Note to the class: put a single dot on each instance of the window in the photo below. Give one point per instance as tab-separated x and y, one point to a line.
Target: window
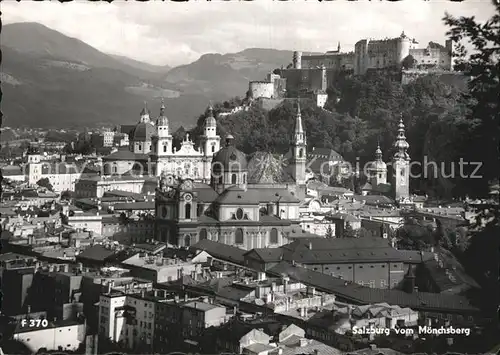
187	211
238	236
244	178
140	147
233	179
239	213
301	153
274	236
187	240
164	149
213	148
203	234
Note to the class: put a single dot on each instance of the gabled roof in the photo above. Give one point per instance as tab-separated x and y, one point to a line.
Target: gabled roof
266	254
221	251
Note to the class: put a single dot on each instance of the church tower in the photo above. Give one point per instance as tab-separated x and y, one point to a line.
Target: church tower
164	143
298	150
34	165
211	141
401	165
378	173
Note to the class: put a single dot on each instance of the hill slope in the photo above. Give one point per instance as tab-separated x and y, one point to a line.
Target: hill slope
227	75
51	80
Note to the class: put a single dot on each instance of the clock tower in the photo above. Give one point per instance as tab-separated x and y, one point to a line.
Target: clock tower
401	165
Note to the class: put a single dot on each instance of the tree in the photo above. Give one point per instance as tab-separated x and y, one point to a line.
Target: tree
409	62
483	69
66	195
329	232
45	182
349	232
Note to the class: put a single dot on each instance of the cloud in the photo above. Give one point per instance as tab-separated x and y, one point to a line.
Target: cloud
180	32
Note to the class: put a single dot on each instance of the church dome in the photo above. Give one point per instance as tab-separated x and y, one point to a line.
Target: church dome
229	158
210	122
143	131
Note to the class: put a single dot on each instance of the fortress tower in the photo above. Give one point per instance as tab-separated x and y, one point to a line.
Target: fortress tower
297	60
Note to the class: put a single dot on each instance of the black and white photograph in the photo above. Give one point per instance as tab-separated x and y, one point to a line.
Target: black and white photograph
267	177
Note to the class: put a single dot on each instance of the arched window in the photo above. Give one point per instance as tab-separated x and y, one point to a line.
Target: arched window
244	178
187	240
233	179
203	234
164	149
140	146
239	213
213	149
301	153
187	211
274	236
238	236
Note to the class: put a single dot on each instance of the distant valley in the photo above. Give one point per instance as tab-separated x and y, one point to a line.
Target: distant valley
51	80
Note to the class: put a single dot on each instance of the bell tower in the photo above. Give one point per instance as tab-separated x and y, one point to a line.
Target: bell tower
298	150
211	141
401	165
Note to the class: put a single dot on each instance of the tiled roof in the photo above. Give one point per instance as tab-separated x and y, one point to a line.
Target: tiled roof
221	251
256	195
11	170
126	155
97	253
146	205
365	295
374	199
267	254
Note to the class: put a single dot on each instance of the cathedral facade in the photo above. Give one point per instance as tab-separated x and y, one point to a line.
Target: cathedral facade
151	147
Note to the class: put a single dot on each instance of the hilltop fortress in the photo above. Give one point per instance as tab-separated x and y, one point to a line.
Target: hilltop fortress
310	75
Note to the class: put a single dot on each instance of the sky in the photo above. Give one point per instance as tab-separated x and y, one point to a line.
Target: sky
176	33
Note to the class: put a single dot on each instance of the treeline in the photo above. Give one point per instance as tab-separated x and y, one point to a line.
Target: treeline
362	111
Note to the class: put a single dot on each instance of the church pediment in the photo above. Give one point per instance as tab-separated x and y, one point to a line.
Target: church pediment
187	148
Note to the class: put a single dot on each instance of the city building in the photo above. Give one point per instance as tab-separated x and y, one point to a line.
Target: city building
251	204
151	147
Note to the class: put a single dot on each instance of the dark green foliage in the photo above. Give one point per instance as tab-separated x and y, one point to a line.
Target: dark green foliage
44	182
329	232
349	232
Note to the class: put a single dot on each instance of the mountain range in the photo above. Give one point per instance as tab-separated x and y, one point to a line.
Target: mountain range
55	81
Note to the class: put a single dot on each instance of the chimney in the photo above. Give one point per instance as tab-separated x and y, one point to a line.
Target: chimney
303	342
143	293
66	267
109	287
185	297
155	293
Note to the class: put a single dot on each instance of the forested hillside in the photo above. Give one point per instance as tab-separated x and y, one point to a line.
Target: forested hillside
362	111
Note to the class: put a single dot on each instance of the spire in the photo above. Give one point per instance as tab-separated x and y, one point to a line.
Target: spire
401	144
145	109
378	153
338	47
298	120
162	108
